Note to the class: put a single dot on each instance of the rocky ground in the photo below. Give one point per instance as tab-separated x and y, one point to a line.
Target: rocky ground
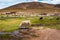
35	34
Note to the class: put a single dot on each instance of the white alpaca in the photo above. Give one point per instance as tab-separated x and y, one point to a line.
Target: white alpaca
24	24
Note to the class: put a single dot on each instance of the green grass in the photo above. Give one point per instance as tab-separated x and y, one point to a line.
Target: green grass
46	21
9	24
5	36
12	23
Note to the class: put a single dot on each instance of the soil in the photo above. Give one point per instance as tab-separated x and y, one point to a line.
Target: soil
38	34
45	34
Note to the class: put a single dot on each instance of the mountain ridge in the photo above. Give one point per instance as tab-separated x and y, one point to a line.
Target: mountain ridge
32	6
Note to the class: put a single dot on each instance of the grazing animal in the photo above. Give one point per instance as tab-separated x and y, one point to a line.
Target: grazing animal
57	18
10	13
24	24
41	18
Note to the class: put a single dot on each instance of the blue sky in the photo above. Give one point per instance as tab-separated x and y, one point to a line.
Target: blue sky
6	3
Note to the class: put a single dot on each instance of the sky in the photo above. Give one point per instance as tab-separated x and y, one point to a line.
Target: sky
7	3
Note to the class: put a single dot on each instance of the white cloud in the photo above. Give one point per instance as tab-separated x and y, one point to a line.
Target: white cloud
51	1
55	1
32	0
7	0
6	3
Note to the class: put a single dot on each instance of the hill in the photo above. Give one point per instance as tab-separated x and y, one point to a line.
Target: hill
31	5
58	5
35	7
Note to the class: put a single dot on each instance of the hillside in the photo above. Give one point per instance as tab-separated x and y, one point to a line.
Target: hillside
31	5
58	5
36	7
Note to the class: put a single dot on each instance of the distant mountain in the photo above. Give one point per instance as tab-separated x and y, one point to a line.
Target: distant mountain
37	7
58	5
31	5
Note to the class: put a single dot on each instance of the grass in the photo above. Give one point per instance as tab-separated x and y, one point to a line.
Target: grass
9	24
47	22
54	27
5	36
12	23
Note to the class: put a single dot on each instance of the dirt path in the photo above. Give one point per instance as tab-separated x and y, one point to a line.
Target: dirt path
46	34
38	34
